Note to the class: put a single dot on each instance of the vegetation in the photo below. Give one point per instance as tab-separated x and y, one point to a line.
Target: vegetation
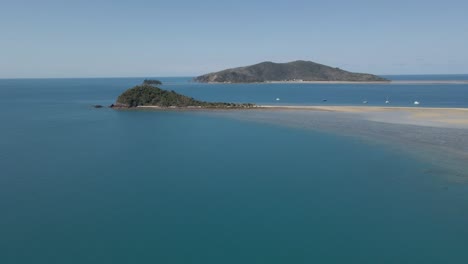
148	95
292	71
152	82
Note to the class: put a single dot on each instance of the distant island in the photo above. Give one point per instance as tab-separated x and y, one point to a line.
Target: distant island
296	71
146	95
152	82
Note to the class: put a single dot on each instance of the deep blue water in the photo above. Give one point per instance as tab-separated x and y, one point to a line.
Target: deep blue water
105	90
429	95
335	94
85	185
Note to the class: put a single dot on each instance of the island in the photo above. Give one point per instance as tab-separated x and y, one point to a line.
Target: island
296	71
152	82
150	96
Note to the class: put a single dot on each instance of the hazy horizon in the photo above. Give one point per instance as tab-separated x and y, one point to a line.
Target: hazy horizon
193	76
52	39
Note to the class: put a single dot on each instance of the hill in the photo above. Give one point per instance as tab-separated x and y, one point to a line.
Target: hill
149	95
291	71
152	82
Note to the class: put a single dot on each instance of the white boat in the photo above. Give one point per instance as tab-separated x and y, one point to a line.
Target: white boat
416	103
277	99
387	101
364	102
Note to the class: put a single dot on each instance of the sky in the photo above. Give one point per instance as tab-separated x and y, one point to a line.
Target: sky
138	38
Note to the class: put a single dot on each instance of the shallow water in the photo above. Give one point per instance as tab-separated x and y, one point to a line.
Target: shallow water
85	185
444	150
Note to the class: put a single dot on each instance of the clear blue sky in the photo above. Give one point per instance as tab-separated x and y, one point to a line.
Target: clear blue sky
186	38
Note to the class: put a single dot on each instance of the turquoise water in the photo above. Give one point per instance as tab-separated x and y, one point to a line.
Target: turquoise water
85	185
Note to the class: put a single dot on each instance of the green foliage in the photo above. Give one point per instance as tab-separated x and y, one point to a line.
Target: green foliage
148	95
152	82
291	71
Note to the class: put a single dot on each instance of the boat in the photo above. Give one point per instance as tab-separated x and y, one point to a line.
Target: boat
387	101
416	103
277	99
364	102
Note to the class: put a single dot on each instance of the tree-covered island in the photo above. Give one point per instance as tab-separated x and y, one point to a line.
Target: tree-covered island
149	95
152	82
295	71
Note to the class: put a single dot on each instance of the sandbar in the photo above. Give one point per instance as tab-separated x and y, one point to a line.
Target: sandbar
425	116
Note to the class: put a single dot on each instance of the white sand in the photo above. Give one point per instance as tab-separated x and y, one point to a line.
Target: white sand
425	116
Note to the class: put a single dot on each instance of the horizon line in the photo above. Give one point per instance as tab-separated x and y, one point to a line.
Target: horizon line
187	76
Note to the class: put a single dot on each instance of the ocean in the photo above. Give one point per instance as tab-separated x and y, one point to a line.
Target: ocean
429	95
86	185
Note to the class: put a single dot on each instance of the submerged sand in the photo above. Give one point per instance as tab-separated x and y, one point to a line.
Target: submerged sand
436	136
423	116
